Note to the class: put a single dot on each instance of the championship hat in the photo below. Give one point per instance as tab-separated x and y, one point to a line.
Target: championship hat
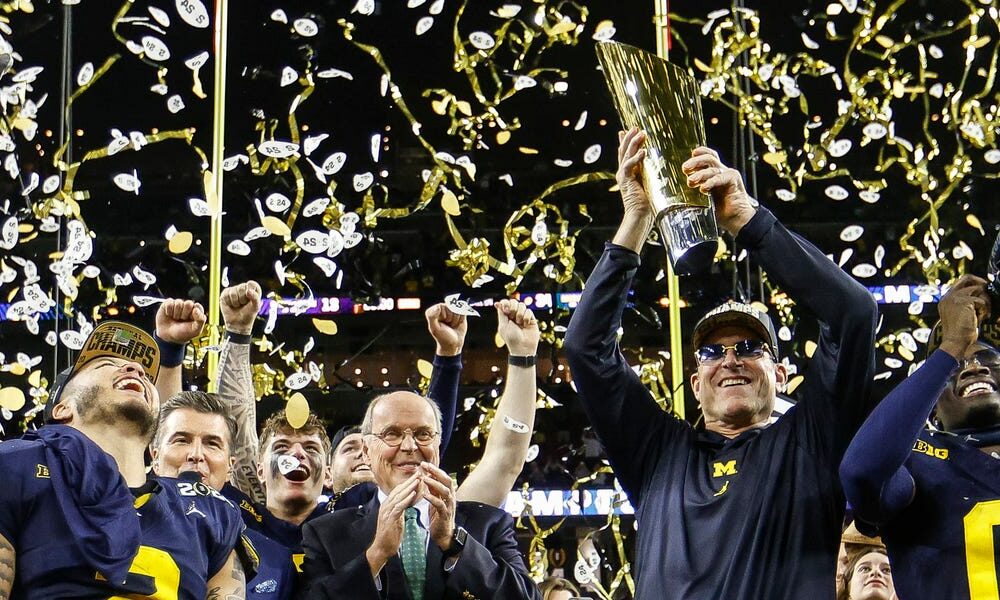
740	314
115	339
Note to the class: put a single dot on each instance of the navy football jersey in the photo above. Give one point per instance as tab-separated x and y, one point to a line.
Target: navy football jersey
188	532
951	529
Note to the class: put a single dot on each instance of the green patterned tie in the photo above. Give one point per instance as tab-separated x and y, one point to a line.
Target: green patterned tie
414	553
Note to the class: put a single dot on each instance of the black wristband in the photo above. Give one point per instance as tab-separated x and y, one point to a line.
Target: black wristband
521	361
238	338
171	354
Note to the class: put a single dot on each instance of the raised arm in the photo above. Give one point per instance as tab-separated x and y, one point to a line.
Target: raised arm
177	323
873	472
229	583
626	418
448	330
841	370
240	305
8	564
510	433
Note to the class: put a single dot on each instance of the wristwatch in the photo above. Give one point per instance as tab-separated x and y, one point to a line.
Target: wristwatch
457	543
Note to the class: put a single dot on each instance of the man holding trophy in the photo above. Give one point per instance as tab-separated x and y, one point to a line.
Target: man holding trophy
734	508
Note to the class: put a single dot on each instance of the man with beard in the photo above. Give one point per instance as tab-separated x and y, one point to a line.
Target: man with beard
934	494
79	518
736	508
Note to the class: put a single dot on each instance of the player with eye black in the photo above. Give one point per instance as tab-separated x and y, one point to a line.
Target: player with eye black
933	494
80	518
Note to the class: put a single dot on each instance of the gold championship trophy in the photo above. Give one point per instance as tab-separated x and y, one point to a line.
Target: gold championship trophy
663	100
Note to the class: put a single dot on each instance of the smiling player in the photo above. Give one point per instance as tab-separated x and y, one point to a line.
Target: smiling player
934	495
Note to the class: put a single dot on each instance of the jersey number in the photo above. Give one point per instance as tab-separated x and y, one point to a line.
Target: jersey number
980	553
161	568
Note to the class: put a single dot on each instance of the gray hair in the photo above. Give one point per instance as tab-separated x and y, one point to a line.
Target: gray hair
366	423
202	402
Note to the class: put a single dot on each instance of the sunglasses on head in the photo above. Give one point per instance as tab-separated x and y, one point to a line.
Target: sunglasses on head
744	349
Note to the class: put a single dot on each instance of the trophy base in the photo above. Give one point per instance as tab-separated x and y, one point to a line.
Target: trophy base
690	236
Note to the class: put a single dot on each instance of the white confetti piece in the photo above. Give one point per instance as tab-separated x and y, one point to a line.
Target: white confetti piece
193	13
278	202
532	453
72	339
326	265
313	241
540	233
336	243
144	301
515	425
175	104
315	207
863	270
199	207
852	233
424	25
836	192
288	76
287	463
257	233
239	248
197	61
363	181
459	306
159	16
297	381
305	27
875	131
277	148
144	277
128	182
784	195
9	233
85	74
869	196
839	148
364	7
524	82
334	73
312	142
155	48
334	163
592	155
279	16
481	40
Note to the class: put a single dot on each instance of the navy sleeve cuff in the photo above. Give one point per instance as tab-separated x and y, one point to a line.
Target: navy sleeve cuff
448	361
171	354
754	231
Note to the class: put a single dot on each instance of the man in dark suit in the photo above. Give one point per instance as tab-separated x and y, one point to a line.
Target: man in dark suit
413	540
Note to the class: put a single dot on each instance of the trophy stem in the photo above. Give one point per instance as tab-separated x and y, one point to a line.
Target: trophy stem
689	234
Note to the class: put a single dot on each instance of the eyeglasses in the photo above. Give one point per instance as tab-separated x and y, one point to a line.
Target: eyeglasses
710	354
393	436
986	357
